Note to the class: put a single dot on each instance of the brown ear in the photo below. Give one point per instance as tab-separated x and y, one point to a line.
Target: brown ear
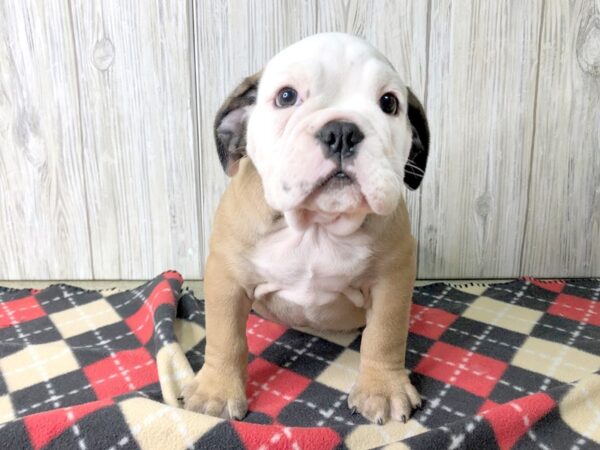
230	123
414	170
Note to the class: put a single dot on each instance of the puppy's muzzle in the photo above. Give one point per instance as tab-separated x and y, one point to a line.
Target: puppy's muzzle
340	140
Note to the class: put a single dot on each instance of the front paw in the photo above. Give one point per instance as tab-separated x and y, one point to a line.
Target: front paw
381	395
216	395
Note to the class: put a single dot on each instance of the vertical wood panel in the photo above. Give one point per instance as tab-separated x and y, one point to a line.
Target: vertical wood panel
563	225
138	139
43	222
236	38
482	74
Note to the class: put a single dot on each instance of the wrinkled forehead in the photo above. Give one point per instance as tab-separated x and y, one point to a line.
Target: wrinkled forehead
330	62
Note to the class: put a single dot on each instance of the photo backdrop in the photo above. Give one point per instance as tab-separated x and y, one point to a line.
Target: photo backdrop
108	169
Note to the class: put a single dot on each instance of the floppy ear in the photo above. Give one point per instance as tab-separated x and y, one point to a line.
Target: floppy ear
417	158
230	123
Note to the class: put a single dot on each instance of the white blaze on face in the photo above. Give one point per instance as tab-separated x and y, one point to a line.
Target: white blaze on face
338	78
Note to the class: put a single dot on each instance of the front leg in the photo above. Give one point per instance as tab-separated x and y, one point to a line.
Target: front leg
382	389
218	389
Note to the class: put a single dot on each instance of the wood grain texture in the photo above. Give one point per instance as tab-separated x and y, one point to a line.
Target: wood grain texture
563	222
138	139
108	167
482	77
43	220
236	38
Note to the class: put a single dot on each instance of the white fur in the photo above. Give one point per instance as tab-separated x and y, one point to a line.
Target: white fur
320	251
337	77
311	267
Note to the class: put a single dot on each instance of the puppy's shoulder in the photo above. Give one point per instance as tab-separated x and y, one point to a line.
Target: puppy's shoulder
243	215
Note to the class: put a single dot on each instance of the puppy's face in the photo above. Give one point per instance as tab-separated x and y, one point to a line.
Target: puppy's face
328	129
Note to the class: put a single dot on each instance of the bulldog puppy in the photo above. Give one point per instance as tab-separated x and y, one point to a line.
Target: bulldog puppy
313	230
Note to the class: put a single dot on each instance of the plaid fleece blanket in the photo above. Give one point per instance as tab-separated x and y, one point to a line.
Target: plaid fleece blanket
498	366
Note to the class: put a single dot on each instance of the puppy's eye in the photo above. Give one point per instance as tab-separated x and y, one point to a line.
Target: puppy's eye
389	104
286	97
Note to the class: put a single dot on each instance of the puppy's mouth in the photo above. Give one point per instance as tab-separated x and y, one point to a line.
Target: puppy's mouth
338	192
337	179
336	202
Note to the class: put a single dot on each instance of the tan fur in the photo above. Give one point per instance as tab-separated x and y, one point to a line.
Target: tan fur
243	217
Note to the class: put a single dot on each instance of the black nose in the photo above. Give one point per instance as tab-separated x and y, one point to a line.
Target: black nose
340	139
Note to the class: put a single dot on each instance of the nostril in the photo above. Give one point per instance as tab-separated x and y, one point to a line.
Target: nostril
330	139
354	136
350	141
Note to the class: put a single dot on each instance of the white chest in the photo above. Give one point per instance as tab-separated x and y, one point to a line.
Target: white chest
312	267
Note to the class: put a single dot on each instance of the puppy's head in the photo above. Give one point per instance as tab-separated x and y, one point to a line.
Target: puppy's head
332	130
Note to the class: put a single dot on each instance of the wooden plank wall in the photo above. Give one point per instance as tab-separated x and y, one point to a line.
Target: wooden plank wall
108	169
138	136
43	220
563	220
98	163
481	101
